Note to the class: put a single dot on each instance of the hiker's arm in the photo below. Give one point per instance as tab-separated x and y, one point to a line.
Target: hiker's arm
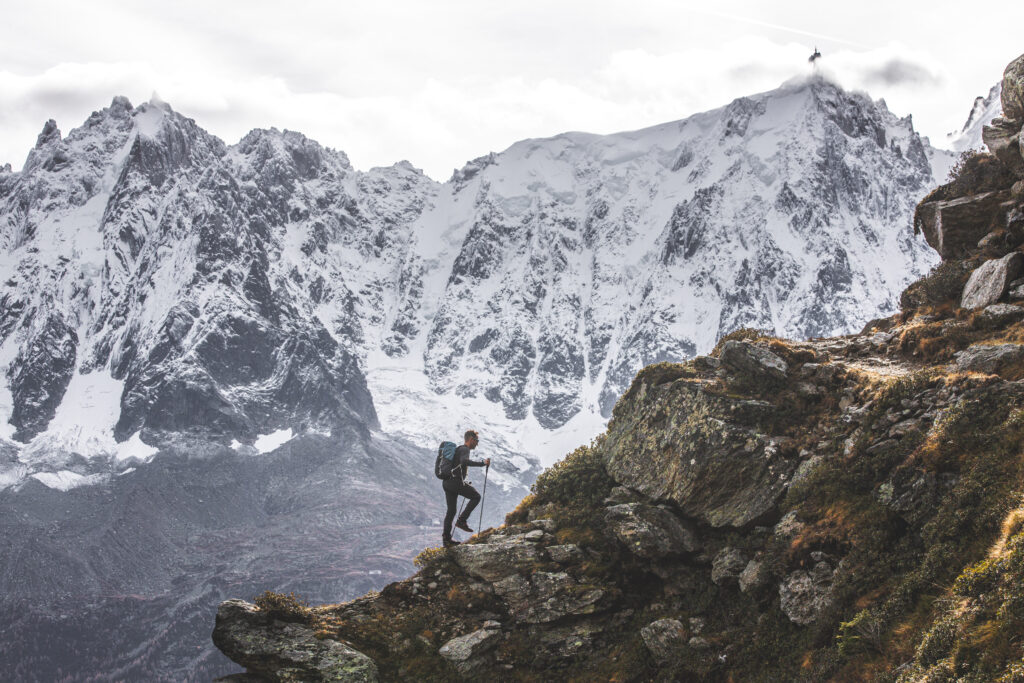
478	463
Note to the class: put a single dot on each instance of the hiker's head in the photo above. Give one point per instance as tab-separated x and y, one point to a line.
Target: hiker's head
472	439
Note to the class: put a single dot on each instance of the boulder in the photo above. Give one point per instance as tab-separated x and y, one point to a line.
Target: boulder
954	227
1000	315
727	566
755	575
991	280
651	531
284	650
1002	137
705	452
496	560
565	554
805	595
1013	89
466	652
989	359
545	596
664	638
748	359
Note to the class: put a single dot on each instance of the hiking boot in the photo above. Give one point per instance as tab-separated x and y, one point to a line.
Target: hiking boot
461	524
448	543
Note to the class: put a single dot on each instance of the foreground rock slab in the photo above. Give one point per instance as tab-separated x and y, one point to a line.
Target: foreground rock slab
285	651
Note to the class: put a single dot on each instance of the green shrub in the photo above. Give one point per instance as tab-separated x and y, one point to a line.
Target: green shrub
428	556
290	607
578	480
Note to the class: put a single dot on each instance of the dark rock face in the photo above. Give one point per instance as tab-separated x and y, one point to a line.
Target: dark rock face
1013	90
650	531
954	227
41	374
724	475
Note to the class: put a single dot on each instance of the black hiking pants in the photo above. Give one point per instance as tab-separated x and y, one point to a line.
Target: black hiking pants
453	488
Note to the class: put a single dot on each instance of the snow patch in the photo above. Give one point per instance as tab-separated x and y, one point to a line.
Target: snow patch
85	420
135	447
268	442
65	480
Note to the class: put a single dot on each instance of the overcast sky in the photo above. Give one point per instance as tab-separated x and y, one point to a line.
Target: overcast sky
441	82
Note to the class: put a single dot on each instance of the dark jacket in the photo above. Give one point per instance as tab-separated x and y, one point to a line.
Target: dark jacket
462	461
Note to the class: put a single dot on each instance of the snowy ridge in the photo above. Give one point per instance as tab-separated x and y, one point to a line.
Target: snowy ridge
160	283
982	112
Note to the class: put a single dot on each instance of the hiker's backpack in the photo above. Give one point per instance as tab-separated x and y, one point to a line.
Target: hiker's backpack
445	462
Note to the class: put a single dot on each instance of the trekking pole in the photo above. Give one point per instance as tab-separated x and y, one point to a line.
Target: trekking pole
483	497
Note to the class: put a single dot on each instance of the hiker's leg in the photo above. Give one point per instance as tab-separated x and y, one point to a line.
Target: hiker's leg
452	499
472	498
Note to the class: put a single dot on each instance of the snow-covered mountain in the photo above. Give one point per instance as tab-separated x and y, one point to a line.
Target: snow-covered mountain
982	112
151	267
167	299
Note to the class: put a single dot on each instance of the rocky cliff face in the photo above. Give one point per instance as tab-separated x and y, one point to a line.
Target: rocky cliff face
843	508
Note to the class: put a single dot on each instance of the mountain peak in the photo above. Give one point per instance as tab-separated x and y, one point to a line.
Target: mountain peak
50	133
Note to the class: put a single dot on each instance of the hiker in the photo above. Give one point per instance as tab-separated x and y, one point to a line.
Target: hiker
456	486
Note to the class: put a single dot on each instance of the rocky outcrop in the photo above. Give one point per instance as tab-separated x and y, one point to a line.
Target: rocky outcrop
805	595
744	358
954	227
650	531
988	358
466	653
283	651
664	638
706	452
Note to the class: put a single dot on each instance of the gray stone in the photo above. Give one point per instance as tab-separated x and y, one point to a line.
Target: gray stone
806	467
268	646
748	359
650	531
565	554
755	575
548	525
990	282
988	359
805	595
493	561
704	452
1000	315
1012	95
727	566
1002	137
699	643
465	652
533	536
664	638
788	526
545	596
953	227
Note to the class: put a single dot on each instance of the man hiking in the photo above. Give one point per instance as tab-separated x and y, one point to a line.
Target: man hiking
456	486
